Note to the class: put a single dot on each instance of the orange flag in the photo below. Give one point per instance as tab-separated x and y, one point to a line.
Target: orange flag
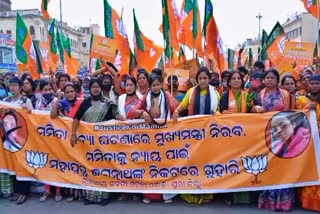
312	6
190	31
171	16
114	29
44	9
214	44
147	53
71	65
275	44
25	50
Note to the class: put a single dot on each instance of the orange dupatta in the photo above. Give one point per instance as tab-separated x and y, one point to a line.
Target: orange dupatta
233	105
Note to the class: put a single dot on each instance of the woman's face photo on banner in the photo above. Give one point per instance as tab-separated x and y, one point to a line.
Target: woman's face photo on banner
13	130
288	134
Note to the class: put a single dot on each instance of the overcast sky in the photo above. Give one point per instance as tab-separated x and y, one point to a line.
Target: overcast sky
236	19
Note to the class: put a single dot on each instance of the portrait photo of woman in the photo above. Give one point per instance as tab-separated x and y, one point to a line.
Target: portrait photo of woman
290	134
11	131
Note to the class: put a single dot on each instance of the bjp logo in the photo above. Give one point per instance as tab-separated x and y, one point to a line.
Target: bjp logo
255	165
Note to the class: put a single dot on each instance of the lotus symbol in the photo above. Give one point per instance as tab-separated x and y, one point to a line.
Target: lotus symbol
36	160
255	165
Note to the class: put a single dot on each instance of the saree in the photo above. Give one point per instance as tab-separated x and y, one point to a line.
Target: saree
277	199
310	196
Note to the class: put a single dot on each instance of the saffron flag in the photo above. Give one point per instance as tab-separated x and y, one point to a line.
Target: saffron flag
185	21
44	9
191	27
147	53
275	44
312	6
53	55
171	23
213	41
171	58
71	65
114	29
25	51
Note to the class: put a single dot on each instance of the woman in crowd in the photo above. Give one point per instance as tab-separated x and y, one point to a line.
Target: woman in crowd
67	105
45	103
108	89
273	98
202	99
94	109
289	84
175	86
224	79
143	85
62	80
235	100
310	196
110	81
14	144
128	100
304	82
77	81
85	87
3	89
156	104
28	89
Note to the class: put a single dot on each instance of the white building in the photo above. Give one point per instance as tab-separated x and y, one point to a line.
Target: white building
38	27
5	5
302	28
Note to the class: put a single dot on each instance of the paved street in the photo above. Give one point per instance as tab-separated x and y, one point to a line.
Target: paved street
128	207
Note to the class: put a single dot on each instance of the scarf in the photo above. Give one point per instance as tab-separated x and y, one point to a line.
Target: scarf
233	105
43	104
163	104
211	101
122	103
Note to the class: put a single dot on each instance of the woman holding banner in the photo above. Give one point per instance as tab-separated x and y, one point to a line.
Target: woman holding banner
310	196
273	98
202	99
236	100
67	105
45	103
156	104
94	109
128	100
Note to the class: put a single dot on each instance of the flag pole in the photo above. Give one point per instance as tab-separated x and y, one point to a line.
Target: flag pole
61	17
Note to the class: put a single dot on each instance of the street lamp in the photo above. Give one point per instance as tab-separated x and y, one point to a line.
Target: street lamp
259	17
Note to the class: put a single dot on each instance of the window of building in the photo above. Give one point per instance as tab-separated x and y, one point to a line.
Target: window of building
8	32
32	31
84	44
294	33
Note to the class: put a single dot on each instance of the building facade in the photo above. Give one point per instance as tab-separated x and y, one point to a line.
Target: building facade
5	5
39	28
302	28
